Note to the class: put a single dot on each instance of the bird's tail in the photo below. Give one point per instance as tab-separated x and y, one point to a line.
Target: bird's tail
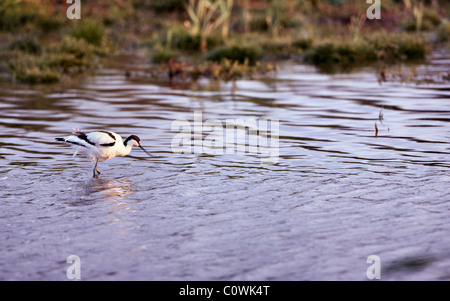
78	146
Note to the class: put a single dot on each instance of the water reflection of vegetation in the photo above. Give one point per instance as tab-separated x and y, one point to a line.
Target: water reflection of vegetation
42	46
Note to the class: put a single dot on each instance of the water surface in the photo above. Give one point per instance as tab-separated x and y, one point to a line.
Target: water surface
338	193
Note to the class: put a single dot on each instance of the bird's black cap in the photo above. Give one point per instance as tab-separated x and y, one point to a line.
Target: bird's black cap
134	137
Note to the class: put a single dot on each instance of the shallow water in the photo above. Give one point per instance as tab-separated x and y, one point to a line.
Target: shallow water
338	193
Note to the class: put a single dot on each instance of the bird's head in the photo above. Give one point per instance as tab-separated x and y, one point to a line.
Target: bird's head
134	140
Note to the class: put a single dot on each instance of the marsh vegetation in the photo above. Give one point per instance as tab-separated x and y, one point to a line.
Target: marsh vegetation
223	39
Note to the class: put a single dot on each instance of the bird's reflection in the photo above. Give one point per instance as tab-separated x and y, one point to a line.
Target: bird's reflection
114	194
109	189
113	198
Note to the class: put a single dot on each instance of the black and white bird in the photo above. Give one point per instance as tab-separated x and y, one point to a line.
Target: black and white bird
101	145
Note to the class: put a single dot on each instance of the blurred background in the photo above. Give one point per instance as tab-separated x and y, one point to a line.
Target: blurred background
193	38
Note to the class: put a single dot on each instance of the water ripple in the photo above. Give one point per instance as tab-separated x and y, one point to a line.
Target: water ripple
340	191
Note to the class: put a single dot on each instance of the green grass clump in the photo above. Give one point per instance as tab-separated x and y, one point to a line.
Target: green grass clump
238	53
69	56
27	45
181	39
398	47
302	44
232	70
430	21
51	24
163	55
90	31
386	48
162	6
32	69
16	14
79	48
444	31
38	76
341	53
72	53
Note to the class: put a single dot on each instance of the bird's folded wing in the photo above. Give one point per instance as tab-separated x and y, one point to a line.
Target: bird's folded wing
101	138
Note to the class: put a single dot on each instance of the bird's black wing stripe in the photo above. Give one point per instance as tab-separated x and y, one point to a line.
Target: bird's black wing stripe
110	134
83	136
108	144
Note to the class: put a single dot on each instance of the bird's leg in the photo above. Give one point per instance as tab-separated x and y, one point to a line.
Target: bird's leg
95	169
